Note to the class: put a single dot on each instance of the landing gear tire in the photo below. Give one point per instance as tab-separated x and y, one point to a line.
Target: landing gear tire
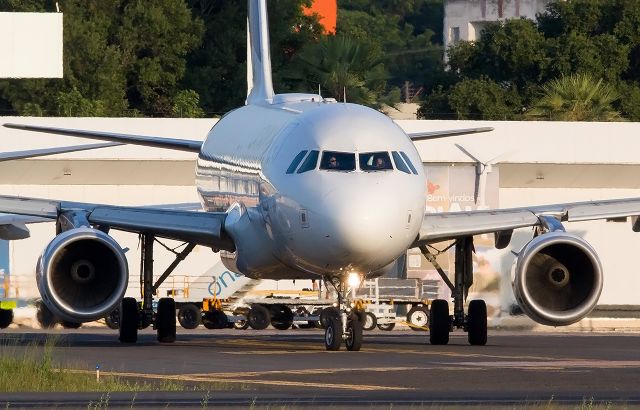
259	317
440	322
113	320
333	334
387	326
281	317
166	320
418	317
327	314
370	321
6	317
129	320
70	325
45	317
241	325
354	336
215	319
477	323
189	316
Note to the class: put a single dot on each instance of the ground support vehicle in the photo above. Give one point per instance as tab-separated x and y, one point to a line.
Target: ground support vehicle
381	297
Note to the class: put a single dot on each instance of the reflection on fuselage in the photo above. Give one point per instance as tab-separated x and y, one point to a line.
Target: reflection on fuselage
221	184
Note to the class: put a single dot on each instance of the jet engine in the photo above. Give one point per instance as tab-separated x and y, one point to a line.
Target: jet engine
557	278
82	275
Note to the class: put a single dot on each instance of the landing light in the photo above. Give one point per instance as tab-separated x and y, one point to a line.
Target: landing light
354	279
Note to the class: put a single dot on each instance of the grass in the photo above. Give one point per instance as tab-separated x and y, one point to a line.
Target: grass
33	370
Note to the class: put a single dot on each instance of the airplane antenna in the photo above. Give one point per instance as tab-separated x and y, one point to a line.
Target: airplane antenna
344	95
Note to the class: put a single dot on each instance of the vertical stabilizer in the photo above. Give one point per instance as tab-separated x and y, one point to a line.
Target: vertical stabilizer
260	86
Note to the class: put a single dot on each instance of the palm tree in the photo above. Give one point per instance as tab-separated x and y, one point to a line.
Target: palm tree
576	98
340	64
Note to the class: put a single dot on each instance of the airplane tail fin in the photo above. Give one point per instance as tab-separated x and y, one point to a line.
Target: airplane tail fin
259	80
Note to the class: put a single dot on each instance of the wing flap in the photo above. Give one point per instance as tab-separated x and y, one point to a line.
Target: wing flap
149	141
602	210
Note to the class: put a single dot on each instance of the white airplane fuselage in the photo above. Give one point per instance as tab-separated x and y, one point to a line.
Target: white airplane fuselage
292	224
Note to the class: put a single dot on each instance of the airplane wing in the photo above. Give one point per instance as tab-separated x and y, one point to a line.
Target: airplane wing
430	135
439	227
202	228
13	227
10	156
156	142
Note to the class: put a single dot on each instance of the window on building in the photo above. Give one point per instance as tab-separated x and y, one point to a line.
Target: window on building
455	34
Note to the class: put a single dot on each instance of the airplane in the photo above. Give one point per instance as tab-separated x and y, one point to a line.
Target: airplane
290	190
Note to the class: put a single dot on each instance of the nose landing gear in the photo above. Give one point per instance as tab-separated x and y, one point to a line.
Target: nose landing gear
343	323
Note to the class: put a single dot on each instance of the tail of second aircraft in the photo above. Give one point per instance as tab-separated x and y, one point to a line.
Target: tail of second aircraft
259	79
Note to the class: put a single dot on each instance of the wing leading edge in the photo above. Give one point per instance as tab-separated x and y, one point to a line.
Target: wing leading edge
202	228
156	142
430	135
438	227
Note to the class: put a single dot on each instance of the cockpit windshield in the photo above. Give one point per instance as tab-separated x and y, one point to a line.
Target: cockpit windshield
375	161
338	161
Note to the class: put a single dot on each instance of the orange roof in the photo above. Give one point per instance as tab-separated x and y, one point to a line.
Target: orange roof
328	12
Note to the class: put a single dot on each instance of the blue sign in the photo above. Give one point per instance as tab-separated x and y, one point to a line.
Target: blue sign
4	265
4	256
220	283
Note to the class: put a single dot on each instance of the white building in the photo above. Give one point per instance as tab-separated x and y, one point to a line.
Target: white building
465	19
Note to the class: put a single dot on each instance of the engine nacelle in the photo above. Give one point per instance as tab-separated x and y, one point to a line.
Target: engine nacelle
557	279
82	275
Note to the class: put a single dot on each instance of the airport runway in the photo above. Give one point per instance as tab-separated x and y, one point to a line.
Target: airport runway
291	368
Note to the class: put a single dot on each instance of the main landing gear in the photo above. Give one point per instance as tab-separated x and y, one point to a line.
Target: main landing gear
134	316
475	321
342	323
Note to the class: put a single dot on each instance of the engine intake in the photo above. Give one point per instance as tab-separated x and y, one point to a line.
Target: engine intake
82	275
557	279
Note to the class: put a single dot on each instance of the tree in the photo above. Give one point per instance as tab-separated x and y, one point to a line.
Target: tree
576	98
602	56
217	69
186	104
121	57
512	51
409	52
155	38
339	63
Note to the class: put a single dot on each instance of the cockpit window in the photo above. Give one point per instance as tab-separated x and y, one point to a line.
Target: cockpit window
309	163
400	162
375	161
296	162
338	161
408	161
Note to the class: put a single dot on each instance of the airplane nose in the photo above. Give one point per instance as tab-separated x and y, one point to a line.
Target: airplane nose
365	228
